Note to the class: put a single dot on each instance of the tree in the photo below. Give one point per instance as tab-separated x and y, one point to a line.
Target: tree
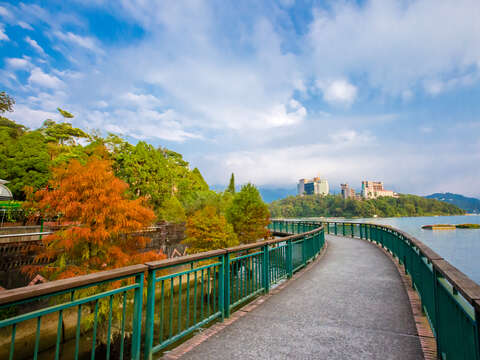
62	133
100	218
249	215
6	102
172	211
65	114
207	230
231	185
24	162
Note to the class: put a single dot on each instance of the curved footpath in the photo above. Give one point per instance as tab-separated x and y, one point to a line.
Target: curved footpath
351	305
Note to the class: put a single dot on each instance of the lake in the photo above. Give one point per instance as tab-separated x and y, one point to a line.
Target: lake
460	247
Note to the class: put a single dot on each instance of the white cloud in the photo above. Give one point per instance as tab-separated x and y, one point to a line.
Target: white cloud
35	45
4	12
25	25
18	63
396	45
32	117
38	77
86	42
145	101
3	35
142	124
339	92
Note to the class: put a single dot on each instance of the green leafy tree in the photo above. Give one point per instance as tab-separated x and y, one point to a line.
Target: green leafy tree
65	114
62	133
172	211
6	102
208	230
25	162
231	185
335	205
249	215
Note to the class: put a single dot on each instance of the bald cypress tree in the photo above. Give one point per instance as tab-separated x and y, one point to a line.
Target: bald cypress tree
231	185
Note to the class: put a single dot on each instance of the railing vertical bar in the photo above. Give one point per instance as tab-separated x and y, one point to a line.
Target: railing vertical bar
195	297
179	304
12	341
59	334
162	309
94	336
37	338
187	320
109	330
170	310
202	299
208	292
77	335
122	333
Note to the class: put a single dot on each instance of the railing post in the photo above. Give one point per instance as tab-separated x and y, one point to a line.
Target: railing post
221	287
289	258
226	285
436	327
266	269
335	228
343	229
137	318
353	230
150	313
477	330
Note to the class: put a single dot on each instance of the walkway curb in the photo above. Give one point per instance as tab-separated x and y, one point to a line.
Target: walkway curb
193	342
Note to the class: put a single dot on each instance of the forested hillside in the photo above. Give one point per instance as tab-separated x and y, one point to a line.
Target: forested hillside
336	206
470	205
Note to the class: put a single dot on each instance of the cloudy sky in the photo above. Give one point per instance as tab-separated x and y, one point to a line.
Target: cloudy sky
272	91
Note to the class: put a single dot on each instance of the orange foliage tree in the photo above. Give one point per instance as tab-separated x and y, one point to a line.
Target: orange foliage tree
100	221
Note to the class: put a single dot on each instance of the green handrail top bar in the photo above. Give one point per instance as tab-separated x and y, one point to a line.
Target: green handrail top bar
52	287
184	259
459	281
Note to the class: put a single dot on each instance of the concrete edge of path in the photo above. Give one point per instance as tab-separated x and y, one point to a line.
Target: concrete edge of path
424	331
196	340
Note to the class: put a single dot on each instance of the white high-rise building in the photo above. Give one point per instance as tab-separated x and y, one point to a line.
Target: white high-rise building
315	186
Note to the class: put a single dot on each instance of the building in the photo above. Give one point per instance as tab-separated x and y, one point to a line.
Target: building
5	193
348	192
375	189
315	186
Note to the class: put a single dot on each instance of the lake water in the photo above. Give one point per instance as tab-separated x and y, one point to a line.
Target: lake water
460	247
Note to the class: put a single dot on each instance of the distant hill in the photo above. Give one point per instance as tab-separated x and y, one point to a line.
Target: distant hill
470	205
335	205
269	195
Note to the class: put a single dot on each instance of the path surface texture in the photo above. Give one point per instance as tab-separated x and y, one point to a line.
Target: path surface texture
349	305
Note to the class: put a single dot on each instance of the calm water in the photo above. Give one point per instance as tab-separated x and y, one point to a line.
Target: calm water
460	247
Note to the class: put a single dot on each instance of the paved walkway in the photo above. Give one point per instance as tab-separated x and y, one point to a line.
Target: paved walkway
350	305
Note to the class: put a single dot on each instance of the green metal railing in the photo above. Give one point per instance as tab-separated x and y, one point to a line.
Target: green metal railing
77	306
100	315
450	299
187	293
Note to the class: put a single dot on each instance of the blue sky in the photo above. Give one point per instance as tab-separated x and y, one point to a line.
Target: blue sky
272	91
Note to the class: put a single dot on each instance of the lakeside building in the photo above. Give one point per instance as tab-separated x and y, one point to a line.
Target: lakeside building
315	186
348	192
5	193
375	189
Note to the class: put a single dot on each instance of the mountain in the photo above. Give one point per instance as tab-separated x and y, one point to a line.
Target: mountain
269	194
470	205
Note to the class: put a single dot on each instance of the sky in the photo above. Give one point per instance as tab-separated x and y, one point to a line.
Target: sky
274	91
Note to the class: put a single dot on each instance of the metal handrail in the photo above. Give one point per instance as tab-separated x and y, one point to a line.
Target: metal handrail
450	299
185	293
